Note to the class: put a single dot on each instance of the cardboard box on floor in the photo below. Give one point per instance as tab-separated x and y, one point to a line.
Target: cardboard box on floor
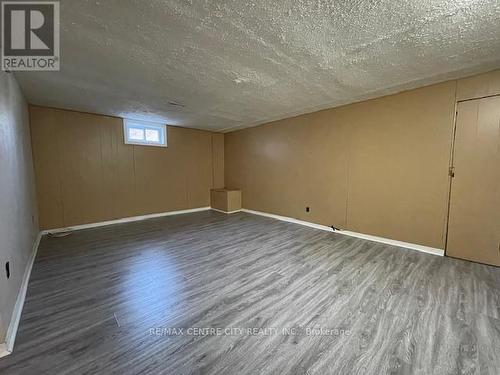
227	200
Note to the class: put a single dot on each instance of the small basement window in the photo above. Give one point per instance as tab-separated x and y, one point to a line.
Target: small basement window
144	133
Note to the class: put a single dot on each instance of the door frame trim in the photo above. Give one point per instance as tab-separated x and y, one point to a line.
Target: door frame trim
452	160
450	166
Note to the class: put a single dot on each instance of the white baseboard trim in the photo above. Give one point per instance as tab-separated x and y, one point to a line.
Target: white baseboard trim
3	350
226	212
124	220
10	338
290	220
388	241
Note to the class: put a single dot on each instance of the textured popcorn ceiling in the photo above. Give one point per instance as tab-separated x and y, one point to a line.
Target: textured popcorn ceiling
224	65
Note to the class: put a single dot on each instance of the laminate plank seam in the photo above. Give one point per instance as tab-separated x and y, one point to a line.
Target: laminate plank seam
116	320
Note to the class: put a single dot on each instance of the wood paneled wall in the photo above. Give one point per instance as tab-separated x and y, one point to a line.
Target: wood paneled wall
378	167
85	173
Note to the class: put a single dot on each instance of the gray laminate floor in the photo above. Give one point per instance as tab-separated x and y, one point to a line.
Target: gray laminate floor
107	300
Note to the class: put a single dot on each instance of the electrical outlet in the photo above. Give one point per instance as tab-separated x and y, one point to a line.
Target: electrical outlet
307	209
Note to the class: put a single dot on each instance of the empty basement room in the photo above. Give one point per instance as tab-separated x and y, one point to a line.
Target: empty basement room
250	187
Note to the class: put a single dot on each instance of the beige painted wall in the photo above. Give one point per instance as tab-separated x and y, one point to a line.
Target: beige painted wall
18	216
377	167
85	173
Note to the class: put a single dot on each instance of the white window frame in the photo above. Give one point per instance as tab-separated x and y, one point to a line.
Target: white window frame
144	125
